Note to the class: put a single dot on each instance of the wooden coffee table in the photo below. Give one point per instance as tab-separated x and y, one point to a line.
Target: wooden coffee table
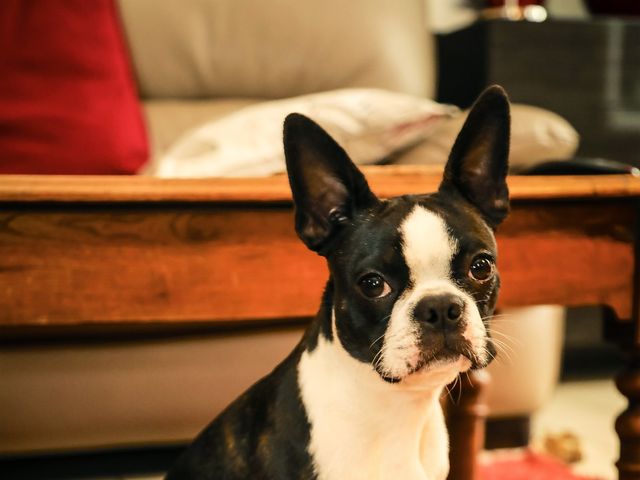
96	253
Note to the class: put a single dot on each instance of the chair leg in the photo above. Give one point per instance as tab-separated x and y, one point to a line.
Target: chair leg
628	423
508	432
466	422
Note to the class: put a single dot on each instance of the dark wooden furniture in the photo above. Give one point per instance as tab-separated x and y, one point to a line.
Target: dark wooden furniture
585	70
95	254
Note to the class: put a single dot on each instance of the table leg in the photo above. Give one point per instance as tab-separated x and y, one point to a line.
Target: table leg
628	423
466	422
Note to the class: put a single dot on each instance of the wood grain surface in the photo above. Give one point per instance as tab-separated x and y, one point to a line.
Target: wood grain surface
158	265
387	181
65	264
569	253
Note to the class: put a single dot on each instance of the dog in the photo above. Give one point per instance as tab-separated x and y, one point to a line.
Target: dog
412	285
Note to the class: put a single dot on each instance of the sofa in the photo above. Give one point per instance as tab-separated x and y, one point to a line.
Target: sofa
197	61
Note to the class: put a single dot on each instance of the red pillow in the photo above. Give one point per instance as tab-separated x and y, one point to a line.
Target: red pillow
68	102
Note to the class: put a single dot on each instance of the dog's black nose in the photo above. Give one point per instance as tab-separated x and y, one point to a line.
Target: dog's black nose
443	311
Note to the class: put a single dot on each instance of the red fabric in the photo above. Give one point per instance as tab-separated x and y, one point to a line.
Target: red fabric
526	466
68	102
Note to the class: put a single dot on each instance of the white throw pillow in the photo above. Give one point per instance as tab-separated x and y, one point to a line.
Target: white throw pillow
536	135
370	124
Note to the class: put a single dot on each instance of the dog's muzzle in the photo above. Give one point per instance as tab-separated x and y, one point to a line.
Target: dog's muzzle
442	323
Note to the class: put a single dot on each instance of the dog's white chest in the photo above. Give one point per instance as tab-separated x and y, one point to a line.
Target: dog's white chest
363	428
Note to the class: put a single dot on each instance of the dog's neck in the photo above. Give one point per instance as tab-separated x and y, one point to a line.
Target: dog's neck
364	427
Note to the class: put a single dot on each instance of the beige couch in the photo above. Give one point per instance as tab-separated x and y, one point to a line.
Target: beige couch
200	60
197	60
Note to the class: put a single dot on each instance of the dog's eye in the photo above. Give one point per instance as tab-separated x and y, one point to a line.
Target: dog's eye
482	268
372	285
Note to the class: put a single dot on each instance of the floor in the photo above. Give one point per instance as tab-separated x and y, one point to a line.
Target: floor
586	409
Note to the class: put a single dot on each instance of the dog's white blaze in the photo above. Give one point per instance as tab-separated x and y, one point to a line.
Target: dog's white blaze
427	246
365	428
428	250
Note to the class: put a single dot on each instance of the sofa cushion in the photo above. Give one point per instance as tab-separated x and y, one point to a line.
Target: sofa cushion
536	135
68	396
124	393
168	120
68	103
370	124
527	366
277	48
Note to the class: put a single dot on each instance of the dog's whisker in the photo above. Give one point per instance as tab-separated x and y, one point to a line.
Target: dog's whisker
450	388
458	381
504	350
503	344
506	318
376	341
507	337
502	316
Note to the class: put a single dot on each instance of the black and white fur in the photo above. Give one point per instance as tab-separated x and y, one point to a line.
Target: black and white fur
412	284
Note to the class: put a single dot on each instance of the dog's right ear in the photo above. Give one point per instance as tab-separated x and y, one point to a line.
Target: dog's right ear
328	189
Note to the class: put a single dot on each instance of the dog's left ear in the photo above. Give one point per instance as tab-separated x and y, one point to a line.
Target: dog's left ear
478	163
328	189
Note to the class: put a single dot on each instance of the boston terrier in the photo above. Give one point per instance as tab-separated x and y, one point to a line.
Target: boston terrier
412	285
